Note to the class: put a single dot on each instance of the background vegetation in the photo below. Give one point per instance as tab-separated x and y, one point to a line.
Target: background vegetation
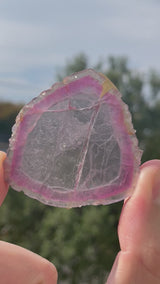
82	242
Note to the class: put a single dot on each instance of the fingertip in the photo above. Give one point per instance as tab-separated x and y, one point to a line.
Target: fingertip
2	156
149	178
50	272
3	185
138	208
151	163
24	266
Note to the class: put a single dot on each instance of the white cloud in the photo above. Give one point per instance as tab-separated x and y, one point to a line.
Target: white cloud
133	22
13	89
40	35
22	45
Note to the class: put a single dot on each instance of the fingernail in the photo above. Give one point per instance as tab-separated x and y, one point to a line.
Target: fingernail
148	184
152	177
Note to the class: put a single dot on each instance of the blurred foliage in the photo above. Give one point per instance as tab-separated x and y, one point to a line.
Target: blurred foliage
8	113
82	242
78	63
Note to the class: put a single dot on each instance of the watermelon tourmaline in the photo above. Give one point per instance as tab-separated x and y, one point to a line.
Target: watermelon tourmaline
74	144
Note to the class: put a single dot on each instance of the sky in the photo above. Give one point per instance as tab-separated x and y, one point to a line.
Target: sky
38	37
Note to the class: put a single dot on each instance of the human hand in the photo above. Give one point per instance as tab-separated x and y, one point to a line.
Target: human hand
139	234
19	265
138	261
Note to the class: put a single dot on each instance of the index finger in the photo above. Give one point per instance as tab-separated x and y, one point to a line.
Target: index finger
3	185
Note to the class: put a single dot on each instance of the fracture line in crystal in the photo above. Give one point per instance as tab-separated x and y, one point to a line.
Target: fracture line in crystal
85	148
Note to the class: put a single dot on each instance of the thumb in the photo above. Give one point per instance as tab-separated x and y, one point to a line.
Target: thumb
139	231
3	185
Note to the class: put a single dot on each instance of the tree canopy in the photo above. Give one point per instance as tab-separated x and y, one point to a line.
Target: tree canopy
82	242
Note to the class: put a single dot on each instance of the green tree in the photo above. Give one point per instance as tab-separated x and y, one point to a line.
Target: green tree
78	63
8	113
82	242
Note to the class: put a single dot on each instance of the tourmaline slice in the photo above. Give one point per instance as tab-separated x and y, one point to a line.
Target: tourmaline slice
74	144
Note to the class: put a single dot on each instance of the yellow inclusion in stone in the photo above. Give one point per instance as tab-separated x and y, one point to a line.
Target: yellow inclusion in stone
107	85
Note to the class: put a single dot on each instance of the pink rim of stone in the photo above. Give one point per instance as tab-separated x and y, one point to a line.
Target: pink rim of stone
104	100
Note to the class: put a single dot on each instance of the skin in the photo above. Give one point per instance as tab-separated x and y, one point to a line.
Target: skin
19	265
139	234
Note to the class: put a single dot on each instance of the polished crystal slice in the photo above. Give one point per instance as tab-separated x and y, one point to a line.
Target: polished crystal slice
74	144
